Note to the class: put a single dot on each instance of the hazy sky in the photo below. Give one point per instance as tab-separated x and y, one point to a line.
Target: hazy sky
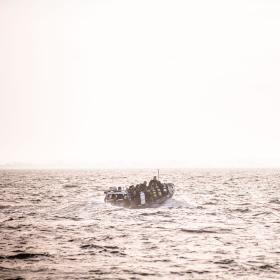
140	83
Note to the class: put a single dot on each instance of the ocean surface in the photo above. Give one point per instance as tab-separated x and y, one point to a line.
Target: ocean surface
220	224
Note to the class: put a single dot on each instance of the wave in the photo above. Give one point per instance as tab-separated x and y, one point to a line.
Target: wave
70	186
276	200
206	230
104	249
197	230
175	203
23	256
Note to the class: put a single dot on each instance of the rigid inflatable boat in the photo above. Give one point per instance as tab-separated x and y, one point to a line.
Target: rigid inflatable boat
140	198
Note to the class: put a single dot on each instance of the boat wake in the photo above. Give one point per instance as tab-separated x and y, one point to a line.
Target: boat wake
178	204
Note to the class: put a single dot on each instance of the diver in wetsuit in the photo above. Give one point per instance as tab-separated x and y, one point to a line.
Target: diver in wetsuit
137	194
131	192
153	182
144	186
156	187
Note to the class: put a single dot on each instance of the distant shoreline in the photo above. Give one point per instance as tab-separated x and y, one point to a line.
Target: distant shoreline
16	168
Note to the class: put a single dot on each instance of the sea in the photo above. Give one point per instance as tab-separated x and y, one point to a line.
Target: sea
220	224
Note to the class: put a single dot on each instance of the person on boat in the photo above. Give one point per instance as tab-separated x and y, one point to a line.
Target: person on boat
156	186
149	194
136	194
144	189
153	182
131	188
144	186
131	191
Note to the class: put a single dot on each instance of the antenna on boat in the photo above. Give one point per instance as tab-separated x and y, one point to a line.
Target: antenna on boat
158	174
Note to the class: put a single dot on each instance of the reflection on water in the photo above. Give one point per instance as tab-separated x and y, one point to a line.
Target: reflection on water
219	225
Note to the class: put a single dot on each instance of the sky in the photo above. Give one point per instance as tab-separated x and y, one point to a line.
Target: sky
140	83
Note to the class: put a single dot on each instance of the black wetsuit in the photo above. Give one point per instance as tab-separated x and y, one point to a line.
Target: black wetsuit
156	186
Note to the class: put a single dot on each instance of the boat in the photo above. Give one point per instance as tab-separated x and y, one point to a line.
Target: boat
151	198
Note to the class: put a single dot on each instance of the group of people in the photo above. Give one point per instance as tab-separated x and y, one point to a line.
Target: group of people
152	191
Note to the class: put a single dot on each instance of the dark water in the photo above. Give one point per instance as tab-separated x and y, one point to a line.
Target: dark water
219	225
